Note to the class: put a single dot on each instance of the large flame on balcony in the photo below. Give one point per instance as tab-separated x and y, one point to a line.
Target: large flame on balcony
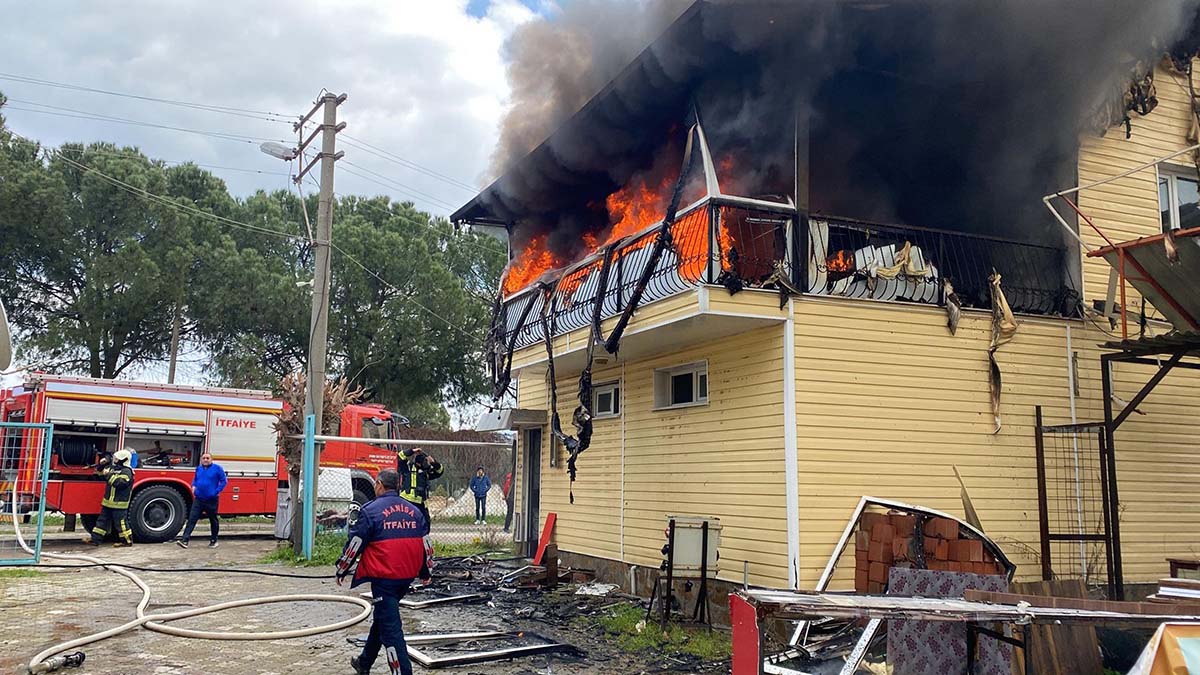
634	208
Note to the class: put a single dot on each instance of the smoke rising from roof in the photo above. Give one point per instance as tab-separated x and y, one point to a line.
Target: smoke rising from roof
950	115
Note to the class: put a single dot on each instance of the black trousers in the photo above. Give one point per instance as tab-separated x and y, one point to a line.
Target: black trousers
201	507
481	507
111	519
387	632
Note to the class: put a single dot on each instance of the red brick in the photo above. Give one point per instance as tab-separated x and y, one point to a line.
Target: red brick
875	587
878	572
942	528
960	550
869	520
861	560
931	546
904	523
861	581
862	540
975	549
943	550
883	532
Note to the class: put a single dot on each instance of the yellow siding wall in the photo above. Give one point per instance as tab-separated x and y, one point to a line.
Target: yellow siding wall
1127	208
724	459
888	402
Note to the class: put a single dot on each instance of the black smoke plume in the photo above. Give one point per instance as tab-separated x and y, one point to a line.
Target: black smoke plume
953	115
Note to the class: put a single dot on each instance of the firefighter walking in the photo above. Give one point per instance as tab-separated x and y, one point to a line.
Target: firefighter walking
118	477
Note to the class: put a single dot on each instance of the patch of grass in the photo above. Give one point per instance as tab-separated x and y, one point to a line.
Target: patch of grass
466	520
622	622
21	574
248	519
327	548
454	550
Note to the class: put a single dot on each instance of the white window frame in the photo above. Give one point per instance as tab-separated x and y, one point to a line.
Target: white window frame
1172	172
662	385
613	388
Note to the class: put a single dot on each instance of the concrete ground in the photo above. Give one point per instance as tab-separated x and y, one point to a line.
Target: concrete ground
61	604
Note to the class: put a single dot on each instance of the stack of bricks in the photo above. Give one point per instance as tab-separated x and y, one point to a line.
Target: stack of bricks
890	540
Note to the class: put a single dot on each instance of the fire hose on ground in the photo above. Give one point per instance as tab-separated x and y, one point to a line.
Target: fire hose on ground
46	661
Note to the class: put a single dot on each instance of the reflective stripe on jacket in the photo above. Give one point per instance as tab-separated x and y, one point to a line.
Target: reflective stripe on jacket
119	481
414	479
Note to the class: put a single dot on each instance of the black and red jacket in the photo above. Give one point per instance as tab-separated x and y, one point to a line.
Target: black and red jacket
389	536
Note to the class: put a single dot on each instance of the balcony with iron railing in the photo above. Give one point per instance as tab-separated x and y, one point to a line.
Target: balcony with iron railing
749	248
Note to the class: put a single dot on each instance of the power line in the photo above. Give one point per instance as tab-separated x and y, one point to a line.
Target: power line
396	185
173	204
105	153
228	110
397	159
83	114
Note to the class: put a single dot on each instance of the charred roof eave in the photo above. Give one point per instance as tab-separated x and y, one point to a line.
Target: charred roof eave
479	209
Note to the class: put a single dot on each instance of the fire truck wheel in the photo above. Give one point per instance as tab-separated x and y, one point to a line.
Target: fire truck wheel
157	514
360	497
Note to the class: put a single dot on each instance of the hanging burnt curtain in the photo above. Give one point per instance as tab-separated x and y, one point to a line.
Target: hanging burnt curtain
582	417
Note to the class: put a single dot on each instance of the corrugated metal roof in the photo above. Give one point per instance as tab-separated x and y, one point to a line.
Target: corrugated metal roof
1171	286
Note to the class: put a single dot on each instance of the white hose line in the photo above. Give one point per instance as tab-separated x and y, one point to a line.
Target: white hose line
153	621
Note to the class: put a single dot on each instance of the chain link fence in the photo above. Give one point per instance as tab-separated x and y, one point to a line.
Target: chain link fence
24	461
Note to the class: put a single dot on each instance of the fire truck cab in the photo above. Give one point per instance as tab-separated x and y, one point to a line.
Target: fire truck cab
169	427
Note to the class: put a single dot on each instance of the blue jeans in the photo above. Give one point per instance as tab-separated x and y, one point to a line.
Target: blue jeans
386	630
201	507
480	507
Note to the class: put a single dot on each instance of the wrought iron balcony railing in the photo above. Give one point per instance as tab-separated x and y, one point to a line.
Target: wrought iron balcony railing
743	243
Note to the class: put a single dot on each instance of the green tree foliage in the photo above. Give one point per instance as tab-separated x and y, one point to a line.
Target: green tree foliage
93	274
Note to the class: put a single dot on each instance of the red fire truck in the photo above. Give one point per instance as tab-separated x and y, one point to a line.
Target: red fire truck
169	426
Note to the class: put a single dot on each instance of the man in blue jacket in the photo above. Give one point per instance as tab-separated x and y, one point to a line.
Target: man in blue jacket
480	484
206	492
389	536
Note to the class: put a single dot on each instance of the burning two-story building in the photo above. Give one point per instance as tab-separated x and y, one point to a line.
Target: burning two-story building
798	253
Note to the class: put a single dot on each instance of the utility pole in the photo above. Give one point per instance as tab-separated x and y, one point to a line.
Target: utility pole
314	398
319	324
175	321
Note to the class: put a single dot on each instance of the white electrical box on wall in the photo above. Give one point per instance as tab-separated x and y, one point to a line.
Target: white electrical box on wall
689	545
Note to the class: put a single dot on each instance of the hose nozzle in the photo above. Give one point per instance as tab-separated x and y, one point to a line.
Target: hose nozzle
58	663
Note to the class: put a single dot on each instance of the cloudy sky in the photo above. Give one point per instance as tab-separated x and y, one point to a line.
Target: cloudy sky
425	81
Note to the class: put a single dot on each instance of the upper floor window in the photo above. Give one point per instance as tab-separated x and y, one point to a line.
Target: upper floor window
606	401
681	386
1178	197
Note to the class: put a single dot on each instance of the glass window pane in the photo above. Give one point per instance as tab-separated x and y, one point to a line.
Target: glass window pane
616	401
1164	202
604	403
681	388
703	386
1189	202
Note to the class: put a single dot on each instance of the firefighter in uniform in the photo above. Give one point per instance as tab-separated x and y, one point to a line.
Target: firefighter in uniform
118	477
387	535
416	469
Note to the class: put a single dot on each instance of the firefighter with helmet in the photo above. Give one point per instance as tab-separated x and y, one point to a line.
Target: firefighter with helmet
118	477
416	469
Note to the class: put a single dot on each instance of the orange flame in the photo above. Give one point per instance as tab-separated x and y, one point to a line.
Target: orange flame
842	261
532	262
635	207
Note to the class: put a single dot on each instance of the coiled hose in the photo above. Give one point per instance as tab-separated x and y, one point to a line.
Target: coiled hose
158	622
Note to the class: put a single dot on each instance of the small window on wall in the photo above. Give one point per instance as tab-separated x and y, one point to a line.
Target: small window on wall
681	386
1178	197
606	400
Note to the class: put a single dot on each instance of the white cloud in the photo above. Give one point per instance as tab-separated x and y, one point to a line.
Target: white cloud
424	80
